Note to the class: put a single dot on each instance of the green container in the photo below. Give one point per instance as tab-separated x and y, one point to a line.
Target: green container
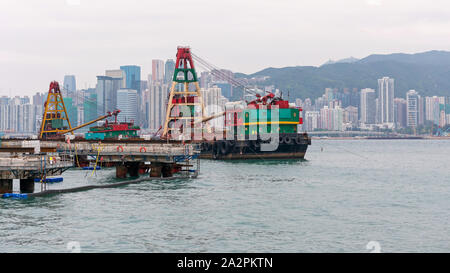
288	119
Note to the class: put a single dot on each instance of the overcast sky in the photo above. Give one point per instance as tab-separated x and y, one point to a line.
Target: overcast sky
43	40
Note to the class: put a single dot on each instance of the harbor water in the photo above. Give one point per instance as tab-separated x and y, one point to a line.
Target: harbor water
346	194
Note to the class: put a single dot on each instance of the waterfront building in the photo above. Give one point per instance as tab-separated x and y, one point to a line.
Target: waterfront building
312	120
386	101
351	115
400	113
368	106
331	119
412	109
421	111
432	109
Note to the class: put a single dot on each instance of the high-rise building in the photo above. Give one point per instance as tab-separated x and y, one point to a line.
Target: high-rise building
70	84
205	79
16	116
220	77
26	118
106	91
412	108
432	109
368	106
132	77
312	120
329	94
351	115
331	119
127	102
38	99
157	105
72	111
157	71
145	106
90	106
385	101
421	110
214	104
225	87
117	74
168	71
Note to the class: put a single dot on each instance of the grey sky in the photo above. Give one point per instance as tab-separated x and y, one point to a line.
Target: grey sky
43	40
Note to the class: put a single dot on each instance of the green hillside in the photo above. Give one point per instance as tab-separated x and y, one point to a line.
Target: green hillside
428	73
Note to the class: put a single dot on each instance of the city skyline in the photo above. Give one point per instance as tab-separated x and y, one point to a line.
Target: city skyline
127	31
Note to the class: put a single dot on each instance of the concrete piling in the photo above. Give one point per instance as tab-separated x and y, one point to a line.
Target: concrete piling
167	170
27	185
155	171
121	171
6	186
133	170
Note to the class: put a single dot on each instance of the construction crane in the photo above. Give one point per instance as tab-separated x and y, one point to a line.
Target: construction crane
55	114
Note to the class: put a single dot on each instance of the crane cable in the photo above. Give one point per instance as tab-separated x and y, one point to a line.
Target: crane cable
216	71
76	156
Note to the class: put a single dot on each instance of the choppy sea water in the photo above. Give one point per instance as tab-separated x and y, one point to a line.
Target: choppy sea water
346	194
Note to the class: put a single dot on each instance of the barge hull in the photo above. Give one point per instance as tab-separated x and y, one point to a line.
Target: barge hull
248	149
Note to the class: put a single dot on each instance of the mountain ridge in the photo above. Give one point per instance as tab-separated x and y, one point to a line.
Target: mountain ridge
426	72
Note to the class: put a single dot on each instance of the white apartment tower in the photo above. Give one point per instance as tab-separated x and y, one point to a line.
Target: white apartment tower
385	101
412	108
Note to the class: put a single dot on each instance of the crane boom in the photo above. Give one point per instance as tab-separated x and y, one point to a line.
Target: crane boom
109	114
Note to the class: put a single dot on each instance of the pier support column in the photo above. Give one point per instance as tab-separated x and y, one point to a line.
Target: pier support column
155	171
6	186
142	169
167	170
121	171
27	185
133	170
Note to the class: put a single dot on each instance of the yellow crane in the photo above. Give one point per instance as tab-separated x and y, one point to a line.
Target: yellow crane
55	114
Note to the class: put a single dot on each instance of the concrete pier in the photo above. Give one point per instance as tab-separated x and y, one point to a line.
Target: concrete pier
133	169
6	186
155	171
167	170
49	158
121	171
27	185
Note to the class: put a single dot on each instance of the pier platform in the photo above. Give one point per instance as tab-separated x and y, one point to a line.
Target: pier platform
28	160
